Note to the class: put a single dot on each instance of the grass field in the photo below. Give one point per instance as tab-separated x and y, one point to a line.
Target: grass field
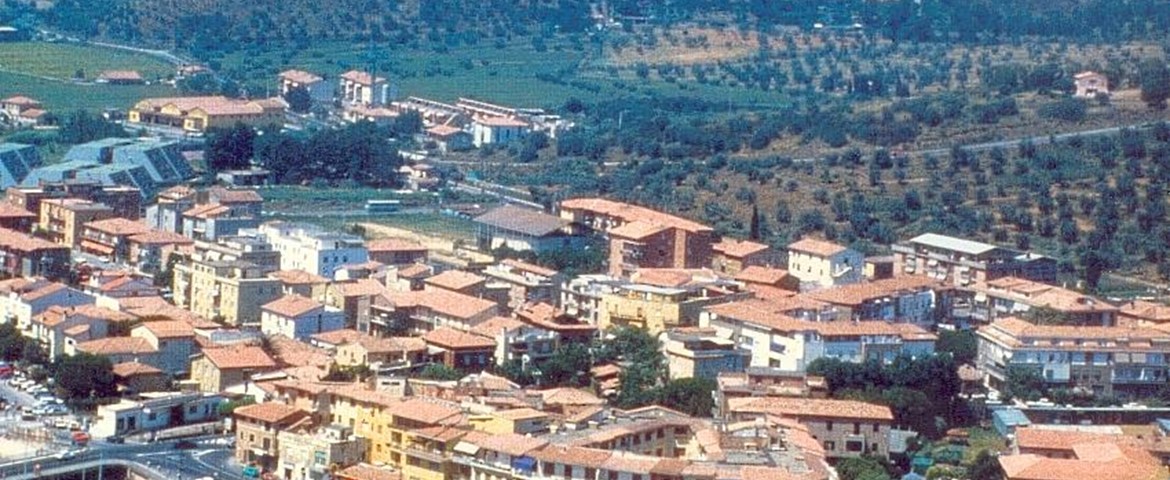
452	228
63	60
64	97
288	198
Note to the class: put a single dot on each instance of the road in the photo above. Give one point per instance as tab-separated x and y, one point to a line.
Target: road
210	458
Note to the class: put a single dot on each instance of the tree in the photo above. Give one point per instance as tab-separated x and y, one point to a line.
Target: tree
1154	78
85	376
568	366
961	344
441	372
230	148
299	100
226	408
691	396
1023	383
862	468
985	467
81	127
754	231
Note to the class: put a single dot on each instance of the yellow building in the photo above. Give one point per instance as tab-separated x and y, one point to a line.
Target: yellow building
518	420
231	291
63	219
197	114
660	299
402	432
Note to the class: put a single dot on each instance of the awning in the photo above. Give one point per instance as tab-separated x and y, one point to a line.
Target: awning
524	463
466	448
97	247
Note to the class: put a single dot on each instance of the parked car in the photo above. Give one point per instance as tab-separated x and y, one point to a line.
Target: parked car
115	439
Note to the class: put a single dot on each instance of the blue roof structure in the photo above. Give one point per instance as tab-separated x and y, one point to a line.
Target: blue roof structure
16	161
148	164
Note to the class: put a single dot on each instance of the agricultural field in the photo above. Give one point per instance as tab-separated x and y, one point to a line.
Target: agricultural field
45	71
429	224
289	198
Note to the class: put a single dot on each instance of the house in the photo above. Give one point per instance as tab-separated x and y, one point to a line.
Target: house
122	349
60	329
121	77
966	262
656	299
137	377
523	229
21	111
319	90
215	369
122	286
907	298
110	237
1079	456
1090	84
172	340
700	353
154	411
197	114
23	255
820	264
151	251
310	453
125	200
845	428
396	251
516	340
731	256
498	130
63	220
462	351
22	298
1010	296
16	160
1107	360
640	237
449	139
457	281
298	317
759	382
312	249
360	88
300	282
16	218
257	426
567	328
232	291
768	278
427	310
527	283
381	352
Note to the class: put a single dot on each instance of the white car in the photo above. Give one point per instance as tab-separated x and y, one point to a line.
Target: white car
67	454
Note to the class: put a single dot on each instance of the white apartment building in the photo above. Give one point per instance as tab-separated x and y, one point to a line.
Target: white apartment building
820	264
313	250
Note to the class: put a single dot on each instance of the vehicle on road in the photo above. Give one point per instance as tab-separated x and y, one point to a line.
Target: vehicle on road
118	439
66	454
185	445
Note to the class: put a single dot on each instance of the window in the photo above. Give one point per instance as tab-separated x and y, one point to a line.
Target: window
854	446
830	446
829	426
856	428
876	428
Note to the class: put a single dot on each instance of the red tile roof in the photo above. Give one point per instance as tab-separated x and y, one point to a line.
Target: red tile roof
811	408
231	358
394	245
455	280
291	306
763	275
14	240
269	412
739	248
450	338
816	247
632	213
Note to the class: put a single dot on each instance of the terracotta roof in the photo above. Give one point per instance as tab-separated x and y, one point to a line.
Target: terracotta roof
764	275
228	196
372	344
43	291
443	302
443	130
161	237
738	248
859	293
129	283
547	317
363	78
365	471
450	338
1109	461
269	412
1043	295
120	75
116	346
8	210
394	245
620	461
569	396
501	122
205	211
14	240
1146	311
638	230
291	352
816	247
512	444
339	337
811	408
292	306
298	277
21	100
300	76
132	369
521	414
455	280
442	433
492	326
571	455
212	105
33	113
427	411
1049	439
1016	332
56	314
360	288
632	213
168	328
230	358
529	267
524	220
415	271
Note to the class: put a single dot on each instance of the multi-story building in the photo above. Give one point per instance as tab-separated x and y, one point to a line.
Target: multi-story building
516	340
23	255
380	352
527	283
659	299
1011	296
426	310
155	411
16	218
1103	359
257	431
62	220
396	251
360	88
312	249
845	428
58	325
252	249
905	298
174	342
1073	455
197	114
299	317
216	369
758	382
1143	313
125	200
966	262
308	453
151	251
731	256
318	89
460	350
777	339
22	298
111	237
567	328
642	238
232	291
820	264
699	353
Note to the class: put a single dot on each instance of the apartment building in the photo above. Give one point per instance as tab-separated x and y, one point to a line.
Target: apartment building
110	237
59	328
731	256
820	264
777	339
566	328
232	291
22	298
312	249
361	88
63	219
172	340
379	352
906	299
16	218
427	310
125	200
310	453
642	238
1107	360
397	251
257	431
1012	296
517	340
1072	455
760	382
320	91
297	317
23	255
527	283
700	353
216	369
660	299
467	352
845	428
965	262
